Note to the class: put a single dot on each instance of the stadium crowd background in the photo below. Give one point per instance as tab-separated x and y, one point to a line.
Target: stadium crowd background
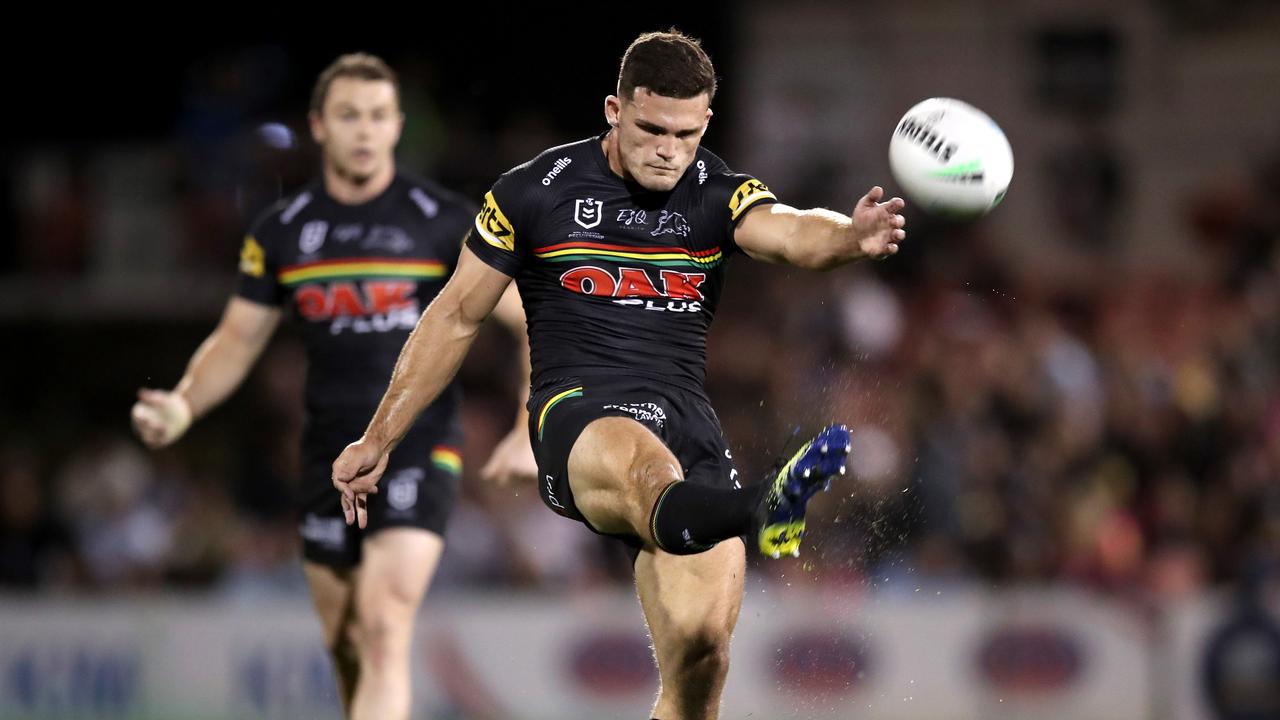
1060	394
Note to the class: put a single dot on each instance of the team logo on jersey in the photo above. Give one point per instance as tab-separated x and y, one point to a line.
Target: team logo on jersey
389	238
588	213
748	193
632	287
494	227
671	223
312	236
402	488
253	260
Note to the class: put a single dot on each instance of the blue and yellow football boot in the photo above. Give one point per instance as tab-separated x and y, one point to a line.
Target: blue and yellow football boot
809	470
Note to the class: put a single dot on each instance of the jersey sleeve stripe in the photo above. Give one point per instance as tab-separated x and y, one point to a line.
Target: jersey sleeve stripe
746	203
493	225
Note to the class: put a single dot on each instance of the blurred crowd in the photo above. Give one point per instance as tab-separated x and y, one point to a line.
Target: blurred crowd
1113	426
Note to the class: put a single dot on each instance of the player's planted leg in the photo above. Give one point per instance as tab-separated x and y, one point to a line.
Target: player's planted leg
691	605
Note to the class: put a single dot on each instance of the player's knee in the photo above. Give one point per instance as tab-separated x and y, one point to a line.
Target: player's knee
648	476
703	649
706	654
342	646
381	632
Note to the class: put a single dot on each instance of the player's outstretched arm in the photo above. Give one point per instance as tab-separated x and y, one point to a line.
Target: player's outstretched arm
822	239
429	360
512	459
216	369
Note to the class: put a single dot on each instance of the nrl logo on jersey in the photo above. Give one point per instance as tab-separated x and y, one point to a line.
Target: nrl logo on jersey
588	213
312	236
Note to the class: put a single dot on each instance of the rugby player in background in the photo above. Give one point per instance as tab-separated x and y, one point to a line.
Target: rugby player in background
356	256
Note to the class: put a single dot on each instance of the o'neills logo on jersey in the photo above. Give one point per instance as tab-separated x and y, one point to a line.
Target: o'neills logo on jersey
361	307
561	164
632	286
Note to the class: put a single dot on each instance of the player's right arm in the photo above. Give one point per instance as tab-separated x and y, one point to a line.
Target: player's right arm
492	255
220	364
429	360
217	368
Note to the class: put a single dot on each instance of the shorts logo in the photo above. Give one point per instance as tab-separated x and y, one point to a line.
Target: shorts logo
551	493
253	259
402	488
588	213
312	236
643	412
671	223
329	533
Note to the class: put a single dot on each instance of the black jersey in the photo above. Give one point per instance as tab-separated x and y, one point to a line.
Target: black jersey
356	278
615	279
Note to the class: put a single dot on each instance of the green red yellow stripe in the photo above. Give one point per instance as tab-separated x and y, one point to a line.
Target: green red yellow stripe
361	269
546	407
447	458
660	256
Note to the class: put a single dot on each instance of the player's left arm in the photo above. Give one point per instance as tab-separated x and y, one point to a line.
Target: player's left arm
512	459
821	239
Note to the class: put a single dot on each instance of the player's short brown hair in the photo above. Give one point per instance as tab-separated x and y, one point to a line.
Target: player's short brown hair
668	63
361	66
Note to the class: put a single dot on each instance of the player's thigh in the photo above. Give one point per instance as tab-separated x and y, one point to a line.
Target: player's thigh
616	467
691	602
332	593
396	567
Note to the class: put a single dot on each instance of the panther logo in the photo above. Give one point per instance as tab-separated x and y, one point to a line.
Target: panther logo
671	223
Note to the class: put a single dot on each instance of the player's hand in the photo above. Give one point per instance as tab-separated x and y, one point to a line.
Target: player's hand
877	226
160	417
355	475
512	460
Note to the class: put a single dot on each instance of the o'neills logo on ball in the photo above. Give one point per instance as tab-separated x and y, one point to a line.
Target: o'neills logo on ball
924	134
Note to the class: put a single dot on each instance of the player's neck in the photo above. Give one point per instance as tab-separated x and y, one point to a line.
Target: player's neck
611	153
348	191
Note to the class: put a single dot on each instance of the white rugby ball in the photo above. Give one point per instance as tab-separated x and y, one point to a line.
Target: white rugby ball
951	158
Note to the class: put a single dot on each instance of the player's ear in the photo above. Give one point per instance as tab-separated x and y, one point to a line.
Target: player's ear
612	108
707	122
317	127
399	129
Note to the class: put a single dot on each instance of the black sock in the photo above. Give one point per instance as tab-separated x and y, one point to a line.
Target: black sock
689	519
